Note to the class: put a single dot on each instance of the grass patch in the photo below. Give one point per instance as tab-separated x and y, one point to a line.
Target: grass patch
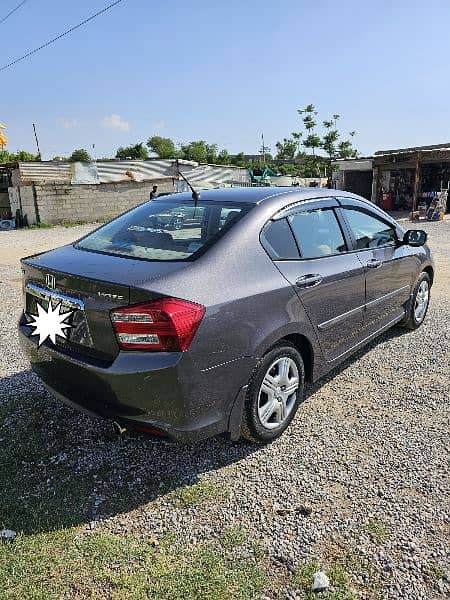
40	226
439	571
69	225
51	473
377	530
347	561
304	575
198	493
234	536
101	564
340	585
258	549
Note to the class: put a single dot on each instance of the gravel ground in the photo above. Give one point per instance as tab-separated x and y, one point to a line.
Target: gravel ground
360	479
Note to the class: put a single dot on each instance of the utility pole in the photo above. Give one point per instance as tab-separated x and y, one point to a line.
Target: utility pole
263	150
37	142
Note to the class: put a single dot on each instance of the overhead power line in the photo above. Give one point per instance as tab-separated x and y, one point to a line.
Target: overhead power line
11	12
100	12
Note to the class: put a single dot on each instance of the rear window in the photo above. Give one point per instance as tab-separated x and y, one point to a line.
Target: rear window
166	229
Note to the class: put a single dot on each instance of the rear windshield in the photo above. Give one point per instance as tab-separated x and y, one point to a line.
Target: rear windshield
166	229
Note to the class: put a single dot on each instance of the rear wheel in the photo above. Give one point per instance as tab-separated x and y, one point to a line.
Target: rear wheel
273	394
418	306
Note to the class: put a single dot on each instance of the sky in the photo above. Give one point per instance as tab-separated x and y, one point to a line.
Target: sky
224	72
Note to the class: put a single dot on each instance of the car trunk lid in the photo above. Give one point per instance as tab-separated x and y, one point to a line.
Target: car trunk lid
90	284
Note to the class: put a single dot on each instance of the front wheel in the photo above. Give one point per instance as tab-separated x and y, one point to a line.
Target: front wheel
274	392
176	223
418	306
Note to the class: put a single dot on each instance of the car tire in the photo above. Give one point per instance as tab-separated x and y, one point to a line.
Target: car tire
176	223
419	303
282	367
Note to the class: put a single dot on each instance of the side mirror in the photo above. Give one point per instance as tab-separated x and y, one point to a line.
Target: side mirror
415	237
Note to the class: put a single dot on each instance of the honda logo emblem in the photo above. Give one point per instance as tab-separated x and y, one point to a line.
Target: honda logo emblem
50	281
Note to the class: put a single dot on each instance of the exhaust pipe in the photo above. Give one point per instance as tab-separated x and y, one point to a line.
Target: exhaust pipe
118	429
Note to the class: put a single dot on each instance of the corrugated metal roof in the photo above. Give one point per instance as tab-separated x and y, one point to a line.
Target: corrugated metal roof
212	176
135	170
44	172
441	147
201	176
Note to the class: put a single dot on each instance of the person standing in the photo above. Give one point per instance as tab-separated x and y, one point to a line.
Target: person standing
154	192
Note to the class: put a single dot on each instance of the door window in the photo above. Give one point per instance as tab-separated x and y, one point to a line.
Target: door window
369	231
317	233
278	240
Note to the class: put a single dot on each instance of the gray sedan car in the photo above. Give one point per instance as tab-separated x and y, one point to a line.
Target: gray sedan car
216	325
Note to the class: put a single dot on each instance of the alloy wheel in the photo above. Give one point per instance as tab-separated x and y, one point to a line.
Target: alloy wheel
177	223
278	392
421	302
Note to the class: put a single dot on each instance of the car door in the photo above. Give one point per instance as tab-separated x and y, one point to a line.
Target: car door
328	279
388	269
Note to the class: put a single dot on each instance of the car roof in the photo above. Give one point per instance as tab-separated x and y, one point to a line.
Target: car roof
256	195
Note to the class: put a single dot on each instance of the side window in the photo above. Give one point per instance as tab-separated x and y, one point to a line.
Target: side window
369	231
317	233
278	240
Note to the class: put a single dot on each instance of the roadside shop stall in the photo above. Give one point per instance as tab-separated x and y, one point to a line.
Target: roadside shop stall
413	179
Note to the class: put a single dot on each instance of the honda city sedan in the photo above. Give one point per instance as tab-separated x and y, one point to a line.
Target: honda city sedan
214	323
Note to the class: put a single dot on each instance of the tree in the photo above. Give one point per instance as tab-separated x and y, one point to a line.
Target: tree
136	152
25	156
329	140
309	122
239	160
223	158
162	147
211	153
20	155
287	149
80	155
199	151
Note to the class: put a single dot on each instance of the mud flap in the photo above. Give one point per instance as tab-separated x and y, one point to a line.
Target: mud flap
234	422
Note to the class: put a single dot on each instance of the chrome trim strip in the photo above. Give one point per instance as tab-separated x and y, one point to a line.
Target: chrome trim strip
335	320
386	296
44	294
292	208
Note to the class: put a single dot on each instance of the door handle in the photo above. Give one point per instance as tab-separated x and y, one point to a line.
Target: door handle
373	263
310	280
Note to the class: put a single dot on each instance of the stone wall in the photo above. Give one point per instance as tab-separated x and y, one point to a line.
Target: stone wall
28	205
65	203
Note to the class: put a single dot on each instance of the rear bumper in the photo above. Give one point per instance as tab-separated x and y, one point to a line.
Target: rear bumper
164	390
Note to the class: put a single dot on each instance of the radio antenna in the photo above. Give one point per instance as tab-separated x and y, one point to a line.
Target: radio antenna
195	194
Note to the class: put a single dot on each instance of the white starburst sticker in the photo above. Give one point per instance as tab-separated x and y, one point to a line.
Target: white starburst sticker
50	323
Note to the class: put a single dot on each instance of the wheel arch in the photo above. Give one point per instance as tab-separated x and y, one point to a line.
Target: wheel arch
304	346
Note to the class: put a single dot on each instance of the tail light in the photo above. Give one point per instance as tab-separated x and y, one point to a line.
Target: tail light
163	325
